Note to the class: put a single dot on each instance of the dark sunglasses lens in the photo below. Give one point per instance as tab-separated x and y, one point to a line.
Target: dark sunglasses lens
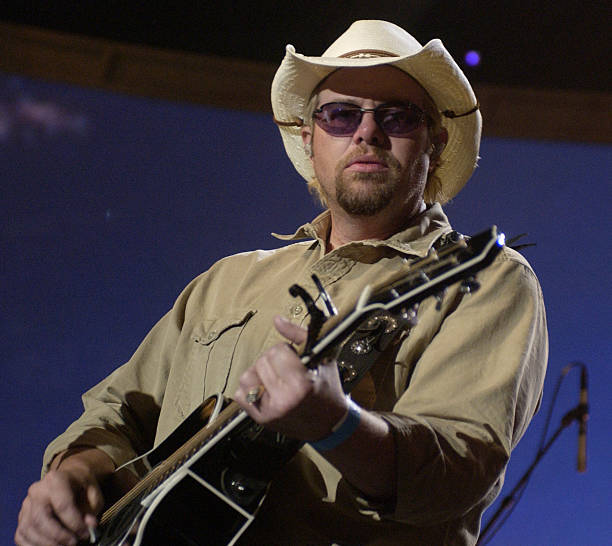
399	120
338	119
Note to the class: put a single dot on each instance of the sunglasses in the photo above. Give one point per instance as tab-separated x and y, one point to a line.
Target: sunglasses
395	119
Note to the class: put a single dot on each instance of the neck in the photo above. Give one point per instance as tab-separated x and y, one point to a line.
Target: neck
346	228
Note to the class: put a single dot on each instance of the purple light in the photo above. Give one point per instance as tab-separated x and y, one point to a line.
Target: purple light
472	58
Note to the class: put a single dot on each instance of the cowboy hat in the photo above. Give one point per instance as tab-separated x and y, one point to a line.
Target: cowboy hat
373	43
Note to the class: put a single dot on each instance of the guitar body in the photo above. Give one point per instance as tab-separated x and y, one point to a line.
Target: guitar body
214	492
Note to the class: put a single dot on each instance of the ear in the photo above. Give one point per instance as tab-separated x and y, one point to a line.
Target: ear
306	133
438	143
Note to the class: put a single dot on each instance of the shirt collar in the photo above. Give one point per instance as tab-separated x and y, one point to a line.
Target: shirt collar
415	240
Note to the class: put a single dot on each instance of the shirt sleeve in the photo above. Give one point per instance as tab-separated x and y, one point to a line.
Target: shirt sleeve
121	412
473	391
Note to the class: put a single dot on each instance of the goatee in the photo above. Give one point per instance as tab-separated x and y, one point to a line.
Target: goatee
367	193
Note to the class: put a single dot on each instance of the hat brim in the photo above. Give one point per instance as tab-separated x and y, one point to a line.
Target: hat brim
432	67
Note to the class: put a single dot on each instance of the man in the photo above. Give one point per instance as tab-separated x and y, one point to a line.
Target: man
381	128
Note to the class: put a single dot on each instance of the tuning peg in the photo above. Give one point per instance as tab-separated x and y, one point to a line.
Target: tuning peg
440	298
347	371
469	285
409	315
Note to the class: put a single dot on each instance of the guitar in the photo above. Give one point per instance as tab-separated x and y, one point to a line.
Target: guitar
217	465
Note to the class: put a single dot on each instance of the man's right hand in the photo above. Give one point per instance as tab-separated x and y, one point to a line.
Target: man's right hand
62	507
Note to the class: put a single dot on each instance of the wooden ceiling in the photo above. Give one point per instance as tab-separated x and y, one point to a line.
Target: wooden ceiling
508	111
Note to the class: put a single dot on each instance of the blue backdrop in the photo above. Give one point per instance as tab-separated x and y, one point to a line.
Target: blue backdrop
111	204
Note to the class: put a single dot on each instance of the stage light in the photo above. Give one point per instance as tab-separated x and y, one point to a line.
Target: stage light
472	58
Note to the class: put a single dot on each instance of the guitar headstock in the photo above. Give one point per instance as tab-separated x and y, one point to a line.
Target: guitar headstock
457	259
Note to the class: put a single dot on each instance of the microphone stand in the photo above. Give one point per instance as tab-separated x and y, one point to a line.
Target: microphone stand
509	500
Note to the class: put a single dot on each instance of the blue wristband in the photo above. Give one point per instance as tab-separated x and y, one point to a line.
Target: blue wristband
342	431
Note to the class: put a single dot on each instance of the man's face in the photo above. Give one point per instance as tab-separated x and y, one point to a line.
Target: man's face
369	172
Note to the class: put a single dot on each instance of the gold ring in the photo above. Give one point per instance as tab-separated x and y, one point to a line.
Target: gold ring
254	394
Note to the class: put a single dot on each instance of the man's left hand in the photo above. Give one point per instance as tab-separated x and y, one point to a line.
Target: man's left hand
299	402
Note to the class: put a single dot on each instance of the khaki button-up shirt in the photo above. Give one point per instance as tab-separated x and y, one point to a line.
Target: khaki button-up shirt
458	394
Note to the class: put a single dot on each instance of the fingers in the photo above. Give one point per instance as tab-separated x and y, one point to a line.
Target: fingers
38	525
50	513
95	501
39	528
69	502
287	383
294	333
295	401
283	378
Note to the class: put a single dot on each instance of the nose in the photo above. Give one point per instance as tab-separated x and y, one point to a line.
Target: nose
369	131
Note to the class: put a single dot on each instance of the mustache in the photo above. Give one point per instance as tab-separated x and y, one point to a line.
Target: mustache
361	150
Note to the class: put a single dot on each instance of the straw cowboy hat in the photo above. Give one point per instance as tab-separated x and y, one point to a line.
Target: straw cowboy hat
373	43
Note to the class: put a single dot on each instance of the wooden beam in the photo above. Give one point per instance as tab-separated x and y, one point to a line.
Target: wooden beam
546	114
513	112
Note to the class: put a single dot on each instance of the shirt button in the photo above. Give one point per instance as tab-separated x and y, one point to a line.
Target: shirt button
211	335
296	309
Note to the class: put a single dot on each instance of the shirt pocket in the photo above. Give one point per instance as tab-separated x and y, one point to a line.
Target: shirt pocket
213	344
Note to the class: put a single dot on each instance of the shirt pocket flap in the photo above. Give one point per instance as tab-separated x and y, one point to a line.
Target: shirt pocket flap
210	330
